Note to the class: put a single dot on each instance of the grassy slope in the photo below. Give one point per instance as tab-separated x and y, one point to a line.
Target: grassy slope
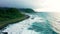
9	16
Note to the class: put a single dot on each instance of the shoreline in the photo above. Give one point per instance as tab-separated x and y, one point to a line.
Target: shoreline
3	27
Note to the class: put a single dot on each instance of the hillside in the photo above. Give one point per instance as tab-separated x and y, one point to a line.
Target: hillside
10	16
28	10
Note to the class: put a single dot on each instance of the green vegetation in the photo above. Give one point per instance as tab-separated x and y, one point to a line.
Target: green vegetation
9	16
28	10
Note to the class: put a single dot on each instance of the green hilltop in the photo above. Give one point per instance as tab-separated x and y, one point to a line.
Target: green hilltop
28	10
10	16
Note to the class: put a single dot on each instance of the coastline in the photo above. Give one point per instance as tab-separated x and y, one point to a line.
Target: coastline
12	22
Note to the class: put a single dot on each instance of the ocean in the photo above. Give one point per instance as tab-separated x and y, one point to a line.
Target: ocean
36	24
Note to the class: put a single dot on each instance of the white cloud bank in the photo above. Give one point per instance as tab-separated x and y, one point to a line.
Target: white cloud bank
50	5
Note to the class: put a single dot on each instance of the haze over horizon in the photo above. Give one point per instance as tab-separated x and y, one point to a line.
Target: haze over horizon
42	5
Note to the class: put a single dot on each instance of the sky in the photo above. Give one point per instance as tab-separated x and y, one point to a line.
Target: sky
21	3
38	5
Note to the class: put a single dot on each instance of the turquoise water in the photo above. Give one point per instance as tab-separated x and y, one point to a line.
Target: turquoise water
36	24
44	27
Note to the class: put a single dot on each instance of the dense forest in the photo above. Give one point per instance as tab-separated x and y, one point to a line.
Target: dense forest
10	16
9	13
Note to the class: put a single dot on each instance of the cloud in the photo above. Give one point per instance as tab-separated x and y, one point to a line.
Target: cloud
21	3
50	5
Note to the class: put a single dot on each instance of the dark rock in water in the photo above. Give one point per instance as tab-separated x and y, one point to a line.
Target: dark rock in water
4	33
27	16
30	28
32	18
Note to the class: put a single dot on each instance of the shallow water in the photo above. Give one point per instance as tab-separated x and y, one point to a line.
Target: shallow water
36	24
